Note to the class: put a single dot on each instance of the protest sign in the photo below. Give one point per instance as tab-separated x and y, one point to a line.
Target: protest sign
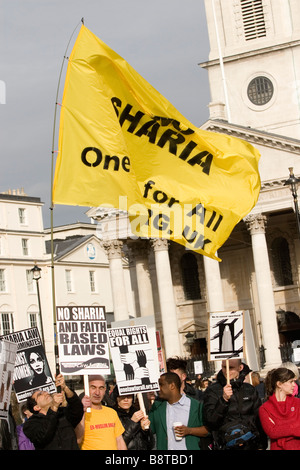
226	335
160	354
82	340
296	355
8	352
198	367
250	355
134	354
31	370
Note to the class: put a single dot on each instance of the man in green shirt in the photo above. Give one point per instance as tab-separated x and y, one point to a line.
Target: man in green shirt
175	406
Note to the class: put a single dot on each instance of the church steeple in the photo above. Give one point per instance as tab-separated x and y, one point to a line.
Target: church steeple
254	63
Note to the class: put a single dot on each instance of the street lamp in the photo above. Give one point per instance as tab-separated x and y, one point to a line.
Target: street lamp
36	273
293	183
190	339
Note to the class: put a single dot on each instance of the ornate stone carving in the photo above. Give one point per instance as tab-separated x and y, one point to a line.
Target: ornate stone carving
113	248
256	223
159	244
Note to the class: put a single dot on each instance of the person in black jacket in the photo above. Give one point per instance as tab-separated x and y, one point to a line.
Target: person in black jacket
54	418
136	437
237	404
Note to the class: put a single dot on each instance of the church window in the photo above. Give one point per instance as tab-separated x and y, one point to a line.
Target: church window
190	277
281	262
6	323
253	19
260	90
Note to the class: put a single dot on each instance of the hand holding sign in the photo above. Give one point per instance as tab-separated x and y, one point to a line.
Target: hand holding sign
227	392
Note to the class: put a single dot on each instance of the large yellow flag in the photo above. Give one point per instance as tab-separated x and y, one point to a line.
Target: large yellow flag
121	140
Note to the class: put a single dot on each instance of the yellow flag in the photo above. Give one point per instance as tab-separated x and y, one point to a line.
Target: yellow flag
119	139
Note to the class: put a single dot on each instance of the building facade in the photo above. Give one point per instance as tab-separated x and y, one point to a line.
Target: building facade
254	72
81	269
253	65
21	244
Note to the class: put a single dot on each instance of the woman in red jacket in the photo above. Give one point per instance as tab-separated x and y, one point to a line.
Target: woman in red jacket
280	414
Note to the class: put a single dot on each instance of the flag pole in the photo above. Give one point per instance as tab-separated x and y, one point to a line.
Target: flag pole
52	205
227	372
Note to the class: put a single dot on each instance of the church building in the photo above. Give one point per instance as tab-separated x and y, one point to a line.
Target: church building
254	76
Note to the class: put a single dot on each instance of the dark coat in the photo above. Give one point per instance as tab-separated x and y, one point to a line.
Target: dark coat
191	391
134	436
217	412
55	430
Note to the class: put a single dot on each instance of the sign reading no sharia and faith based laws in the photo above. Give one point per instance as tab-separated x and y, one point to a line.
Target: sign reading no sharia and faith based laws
226	335
82	340
123	145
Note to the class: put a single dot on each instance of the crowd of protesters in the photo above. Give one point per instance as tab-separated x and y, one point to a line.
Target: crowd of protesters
235	410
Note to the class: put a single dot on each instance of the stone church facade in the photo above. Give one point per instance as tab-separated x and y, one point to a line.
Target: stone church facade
253	71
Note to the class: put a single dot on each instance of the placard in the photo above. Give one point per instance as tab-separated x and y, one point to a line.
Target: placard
31	371
8	353
198	367
82	340
226	335
134	354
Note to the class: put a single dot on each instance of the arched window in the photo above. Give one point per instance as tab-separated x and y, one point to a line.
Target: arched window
281	262
190	277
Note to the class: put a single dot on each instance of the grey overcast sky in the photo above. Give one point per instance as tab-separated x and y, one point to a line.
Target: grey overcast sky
164	40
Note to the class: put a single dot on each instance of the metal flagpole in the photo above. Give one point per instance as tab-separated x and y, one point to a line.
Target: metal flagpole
52	205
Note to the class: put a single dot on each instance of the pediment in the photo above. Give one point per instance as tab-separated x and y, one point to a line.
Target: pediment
255	136
84	250
194	326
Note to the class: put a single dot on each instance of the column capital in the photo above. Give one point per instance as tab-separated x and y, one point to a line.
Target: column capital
256	223
159	244
113	248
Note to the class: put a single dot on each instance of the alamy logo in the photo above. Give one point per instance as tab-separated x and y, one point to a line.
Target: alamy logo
2	92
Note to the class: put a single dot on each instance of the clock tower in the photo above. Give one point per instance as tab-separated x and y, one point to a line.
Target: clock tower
254	63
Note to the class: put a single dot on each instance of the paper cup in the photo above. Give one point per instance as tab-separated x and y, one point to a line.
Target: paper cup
177	423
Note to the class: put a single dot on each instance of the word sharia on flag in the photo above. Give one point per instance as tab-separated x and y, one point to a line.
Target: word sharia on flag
123	145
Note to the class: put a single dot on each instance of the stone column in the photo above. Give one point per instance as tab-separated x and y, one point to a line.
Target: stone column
166	298
113	250
214	290
257	225
139	249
